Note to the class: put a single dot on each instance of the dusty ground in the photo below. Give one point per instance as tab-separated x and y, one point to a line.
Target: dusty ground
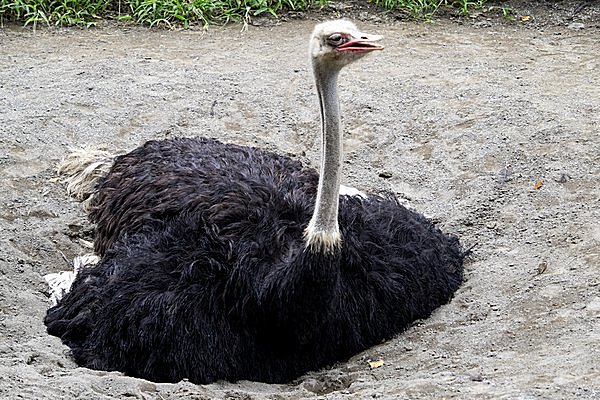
464	119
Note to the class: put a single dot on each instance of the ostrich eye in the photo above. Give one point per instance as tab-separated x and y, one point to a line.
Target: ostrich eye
335	40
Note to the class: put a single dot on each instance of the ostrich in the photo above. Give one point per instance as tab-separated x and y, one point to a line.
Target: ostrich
225	262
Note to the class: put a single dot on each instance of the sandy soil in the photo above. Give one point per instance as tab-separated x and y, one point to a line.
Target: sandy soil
491	128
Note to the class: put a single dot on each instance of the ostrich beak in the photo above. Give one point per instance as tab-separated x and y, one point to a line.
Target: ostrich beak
363	44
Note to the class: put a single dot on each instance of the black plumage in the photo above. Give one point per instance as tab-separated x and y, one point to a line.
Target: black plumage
220	285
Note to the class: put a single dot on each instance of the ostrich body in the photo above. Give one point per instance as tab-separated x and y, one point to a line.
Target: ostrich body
228	262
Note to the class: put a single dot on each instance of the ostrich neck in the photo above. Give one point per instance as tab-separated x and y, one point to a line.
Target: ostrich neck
322	233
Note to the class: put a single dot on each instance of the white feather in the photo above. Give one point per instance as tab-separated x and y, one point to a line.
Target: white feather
350	191
60	282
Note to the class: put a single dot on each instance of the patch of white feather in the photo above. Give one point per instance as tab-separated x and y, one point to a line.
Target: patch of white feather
318	241
60	282
82	169
350	191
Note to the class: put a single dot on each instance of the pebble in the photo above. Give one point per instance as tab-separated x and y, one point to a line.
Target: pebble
576	26
483	24
594	305
562	178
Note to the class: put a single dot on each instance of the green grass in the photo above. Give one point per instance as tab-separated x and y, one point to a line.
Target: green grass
425	9
186	12
150	12
191	12
61	12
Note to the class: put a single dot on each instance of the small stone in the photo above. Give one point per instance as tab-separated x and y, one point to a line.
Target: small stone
483	24
504	175
147	387
594	305
576	26
562	178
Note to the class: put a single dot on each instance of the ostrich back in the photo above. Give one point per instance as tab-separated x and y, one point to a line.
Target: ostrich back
162	179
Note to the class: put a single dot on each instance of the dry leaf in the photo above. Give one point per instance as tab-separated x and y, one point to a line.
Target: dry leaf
375	364
525	18
542	267
538	184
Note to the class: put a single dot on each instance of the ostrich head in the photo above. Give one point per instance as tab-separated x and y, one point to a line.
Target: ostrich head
333	45
336	44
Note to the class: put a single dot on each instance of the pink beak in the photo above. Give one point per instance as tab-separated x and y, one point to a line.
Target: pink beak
364	44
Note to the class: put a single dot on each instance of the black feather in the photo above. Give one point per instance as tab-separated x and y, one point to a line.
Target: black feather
204	273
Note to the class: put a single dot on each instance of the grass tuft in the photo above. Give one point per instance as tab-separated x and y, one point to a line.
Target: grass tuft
425	9
60	12
191	12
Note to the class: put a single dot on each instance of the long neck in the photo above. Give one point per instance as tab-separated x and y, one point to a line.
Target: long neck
322	233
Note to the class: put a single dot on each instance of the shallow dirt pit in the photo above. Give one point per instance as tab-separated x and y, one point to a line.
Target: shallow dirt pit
491	129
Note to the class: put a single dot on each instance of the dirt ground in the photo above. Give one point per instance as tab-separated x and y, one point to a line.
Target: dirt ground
490	127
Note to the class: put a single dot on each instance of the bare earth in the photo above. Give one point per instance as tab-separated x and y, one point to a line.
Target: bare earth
491	128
